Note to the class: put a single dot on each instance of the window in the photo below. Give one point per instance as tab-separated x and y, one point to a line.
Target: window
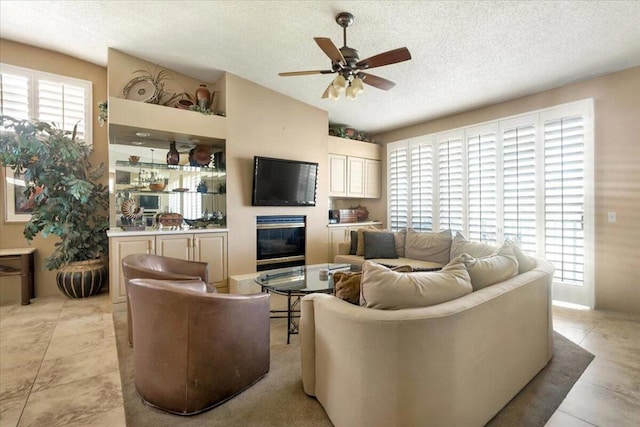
30	94
450	184
398	188
527	178
482	186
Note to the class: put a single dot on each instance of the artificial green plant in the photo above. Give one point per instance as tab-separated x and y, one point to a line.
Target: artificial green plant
67	200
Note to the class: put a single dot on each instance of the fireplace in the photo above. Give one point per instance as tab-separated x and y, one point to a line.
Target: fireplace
280	241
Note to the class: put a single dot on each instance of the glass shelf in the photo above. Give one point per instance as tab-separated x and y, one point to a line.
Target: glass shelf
177	168
135	191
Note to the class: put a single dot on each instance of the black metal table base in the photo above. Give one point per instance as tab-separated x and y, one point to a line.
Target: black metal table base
292	313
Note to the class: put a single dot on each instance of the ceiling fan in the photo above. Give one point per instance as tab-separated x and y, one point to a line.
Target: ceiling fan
347	64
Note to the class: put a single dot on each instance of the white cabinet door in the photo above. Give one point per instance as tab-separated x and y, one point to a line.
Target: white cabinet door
212	249
120	247
337	175
355	176
175	246
372	178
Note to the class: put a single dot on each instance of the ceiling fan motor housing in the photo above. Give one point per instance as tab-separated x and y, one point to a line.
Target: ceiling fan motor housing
350	55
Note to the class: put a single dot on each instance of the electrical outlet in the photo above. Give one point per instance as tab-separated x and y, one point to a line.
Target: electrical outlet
611	217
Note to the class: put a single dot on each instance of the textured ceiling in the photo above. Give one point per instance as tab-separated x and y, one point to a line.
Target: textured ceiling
465	54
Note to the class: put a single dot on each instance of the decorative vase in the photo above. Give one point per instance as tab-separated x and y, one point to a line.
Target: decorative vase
173	157
202	188
82	279
203	96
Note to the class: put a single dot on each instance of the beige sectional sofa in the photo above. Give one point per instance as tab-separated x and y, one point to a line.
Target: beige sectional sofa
455	363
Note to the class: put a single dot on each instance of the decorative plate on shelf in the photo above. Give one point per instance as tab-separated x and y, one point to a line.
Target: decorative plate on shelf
141	89
180	190
200	155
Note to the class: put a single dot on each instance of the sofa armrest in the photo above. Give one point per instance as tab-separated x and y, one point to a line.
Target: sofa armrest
343	248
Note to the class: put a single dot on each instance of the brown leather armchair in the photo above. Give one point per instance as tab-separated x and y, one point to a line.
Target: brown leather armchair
195	350
143	266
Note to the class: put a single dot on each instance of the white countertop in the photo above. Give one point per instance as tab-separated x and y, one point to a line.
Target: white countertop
150	231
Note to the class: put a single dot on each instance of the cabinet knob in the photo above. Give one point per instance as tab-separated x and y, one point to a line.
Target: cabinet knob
150	248
195	243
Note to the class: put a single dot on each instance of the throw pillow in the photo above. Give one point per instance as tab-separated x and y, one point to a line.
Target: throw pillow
460	245
385	289
379	245
353	249
400	237
525	262
428	246
360	248
487	271
346	284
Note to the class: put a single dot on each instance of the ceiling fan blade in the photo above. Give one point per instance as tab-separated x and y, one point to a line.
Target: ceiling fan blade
376	81
304	73
330	49
386	58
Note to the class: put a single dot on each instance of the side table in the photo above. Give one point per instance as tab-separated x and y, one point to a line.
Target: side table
25	256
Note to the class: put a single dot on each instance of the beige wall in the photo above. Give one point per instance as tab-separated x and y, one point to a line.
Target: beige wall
11	233
259	122
617	175
262	122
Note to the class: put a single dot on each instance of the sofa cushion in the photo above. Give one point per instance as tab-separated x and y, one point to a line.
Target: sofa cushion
346	284
400	238
460	245
360	245
416	264
492	269
428	246
379	245
525	262
385	289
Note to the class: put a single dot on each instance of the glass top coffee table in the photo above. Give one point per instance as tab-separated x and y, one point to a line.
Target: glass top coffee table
296	282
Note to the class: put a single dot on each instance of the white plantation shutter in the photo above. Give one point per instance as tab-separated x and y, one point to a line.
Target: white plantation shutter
30	94
482	187
398	185
519	185
564	197
14	92
422	187
527	178
61	104
450	184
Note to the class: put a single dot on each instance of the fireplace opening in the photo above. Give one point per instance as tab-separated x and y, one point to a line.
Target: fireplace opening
280	241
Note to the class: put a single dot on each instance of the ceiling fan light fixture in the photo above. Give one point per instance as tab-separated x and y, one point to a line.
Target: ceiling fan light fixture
357	86
340	82
334	93
350	93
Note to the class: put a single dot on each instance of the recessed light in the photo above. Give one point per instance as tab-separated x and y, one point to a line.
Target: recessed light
143	134
137	142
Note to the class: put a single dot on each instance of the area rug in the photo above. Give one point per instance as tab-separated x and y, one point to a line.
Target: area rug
279	400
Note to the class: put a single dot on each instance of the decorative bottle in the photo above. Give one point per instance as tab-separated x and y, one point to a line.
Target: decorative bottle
173	157
203	96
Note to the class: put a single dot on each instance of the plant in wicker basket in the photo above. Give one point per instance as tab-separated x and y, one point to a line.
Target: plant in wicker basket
67	201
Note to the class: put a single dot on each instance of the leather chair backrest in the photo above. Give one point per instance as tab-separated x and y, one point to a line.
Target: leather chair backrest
195	349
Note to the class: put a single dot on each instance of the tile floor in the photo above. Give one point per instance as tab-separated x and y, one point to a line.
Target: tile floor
59	366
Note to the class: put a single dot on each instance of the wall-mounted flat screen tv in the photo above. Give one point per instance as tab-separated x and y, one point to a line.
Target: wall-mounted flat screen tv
281	182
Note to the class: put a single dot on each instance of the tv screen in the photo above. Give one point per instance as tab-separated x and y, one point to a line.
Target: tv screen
149	202
280	182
